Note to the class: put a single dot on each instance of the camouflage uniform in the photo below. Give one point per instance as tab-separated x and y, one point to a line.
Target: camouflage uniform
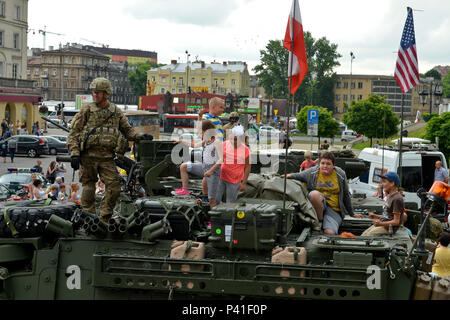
97	154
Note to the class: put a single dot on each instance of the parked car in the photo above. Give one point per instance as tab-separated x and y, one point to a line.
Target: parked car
59	137
348	135
59	121
33	146
268	132
18	178
55	146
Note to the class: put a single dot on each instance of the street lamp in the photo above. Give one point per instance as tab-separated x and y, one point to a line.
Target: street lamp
313	82
187	81
434	90
352	57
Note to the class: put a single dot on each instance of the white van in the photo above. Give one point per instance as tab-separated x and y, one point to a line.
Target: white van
348	135
418	171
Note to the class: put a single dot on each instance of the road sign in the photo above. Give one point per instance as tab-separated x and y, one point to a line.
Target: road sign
275	119
275	111
313	129
313	116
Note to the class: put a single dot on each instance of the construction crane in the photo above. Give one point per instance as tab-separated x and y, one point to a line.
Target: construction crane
44	34
94	42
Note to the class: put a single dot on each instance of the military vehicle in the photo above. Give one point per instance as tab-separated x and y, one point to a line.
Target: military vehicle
266	245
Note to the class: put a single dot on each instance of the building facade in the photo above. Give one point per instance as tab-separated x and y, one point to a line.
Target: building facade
215	78
19	98
64	73
256	90
125	55
362	86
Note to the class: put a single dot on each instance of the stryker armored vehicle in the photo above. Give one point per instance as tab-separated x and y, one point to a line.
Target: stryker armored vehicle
266	245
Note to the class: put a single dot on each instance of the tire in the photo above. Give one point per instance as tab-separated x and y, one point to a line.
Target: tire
31	221
32	153
53	152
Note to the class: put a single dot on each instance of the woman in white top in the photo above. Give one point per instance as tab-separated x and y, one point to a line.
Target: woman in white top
38	192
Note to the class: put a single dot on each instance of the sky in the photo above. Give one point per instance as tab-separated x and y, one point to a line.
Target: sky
230	30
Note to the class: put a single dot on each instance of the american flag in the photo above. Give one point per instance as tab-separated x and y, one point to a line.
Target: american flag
407	68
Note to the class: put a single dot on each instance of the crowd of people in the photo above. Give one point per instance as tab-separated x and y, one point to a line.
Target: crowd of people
11	129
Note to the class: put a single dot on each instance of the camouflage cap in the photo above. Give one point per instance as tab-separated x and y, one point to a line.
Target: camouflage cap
234	114
101	84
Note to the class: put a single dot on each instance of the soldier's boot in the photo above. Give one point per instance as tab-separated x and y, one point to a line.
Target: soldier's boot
88	197
112	193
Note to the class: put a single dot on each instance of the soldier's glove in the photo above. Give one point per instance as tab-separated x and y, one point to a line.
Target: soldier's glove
75	162
146	136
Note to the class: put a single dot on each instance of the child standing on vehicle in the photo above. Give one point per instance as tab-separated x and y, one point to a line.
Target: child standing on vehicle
235	166
308	162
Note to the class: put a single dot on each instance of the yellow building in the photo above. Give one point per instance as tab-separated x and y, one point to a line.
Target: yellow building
364	85
219	78
19	99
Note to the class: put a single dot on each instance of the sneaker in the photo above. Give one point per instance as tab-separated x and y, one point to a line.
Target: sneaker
182	192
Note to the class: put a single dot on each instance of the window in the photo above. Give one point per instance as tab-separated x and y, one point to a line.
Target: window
28	72
192	80
15	70
163	90
55	60
66	72
353	85
17	12
45	83
2	8
360	85
65	85
180	81
36	71
163	80
66	60
233	82
345	97
16	44
216	82
173	90
54	84
352	97
203	80
345	85
222	81
338	84
338	97
2	38
2	69
54	72
153	79
360	97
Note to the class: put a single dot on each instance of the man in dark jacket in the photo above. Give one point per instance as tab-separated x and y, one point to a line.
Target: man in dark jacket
328	192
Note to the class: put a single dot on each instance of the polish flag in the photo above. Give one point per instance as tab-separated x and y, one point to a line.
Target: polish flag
294	41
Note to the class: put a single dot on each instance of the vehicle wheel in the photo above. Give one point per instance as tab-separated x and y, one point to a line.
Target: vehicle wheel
343	140
53	151
31	221
32	153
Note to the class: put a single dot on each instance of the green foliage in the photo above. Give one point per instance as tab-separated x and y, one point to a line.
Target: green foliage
328	127
439	126
426	116
434	74
322	58
366	117
138	77
446	86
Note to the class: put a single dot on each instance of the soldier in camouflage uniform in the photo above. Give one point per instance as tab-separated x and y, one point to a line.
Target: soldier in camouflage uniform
94	139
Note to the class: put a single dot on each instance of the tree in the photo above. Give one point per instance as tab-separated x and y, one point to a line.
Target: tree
439	126
322	58
369	116
328	127
138	77
433	74
446	86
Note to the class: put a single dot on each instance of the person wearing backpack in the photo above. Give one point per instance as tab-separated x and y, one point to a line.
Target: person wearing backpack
93	141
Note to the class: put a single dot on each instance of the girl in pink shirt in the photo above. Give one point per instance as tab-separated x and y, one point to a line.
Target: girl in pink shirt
235	167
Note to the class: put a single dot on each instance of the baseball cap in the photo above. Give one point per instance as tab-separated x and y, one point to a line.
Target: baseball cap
238	131
391	176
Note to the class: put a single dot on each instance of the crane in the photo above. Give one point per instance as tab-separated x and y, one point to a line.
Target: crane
94	42
44	33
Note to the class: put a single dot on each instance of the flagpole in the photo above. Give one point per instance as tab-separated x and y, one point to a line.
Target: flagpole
283	239
400	159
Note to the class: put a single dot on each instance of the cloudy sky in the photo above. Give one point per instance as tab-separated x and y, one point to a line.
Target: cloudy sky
224	30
